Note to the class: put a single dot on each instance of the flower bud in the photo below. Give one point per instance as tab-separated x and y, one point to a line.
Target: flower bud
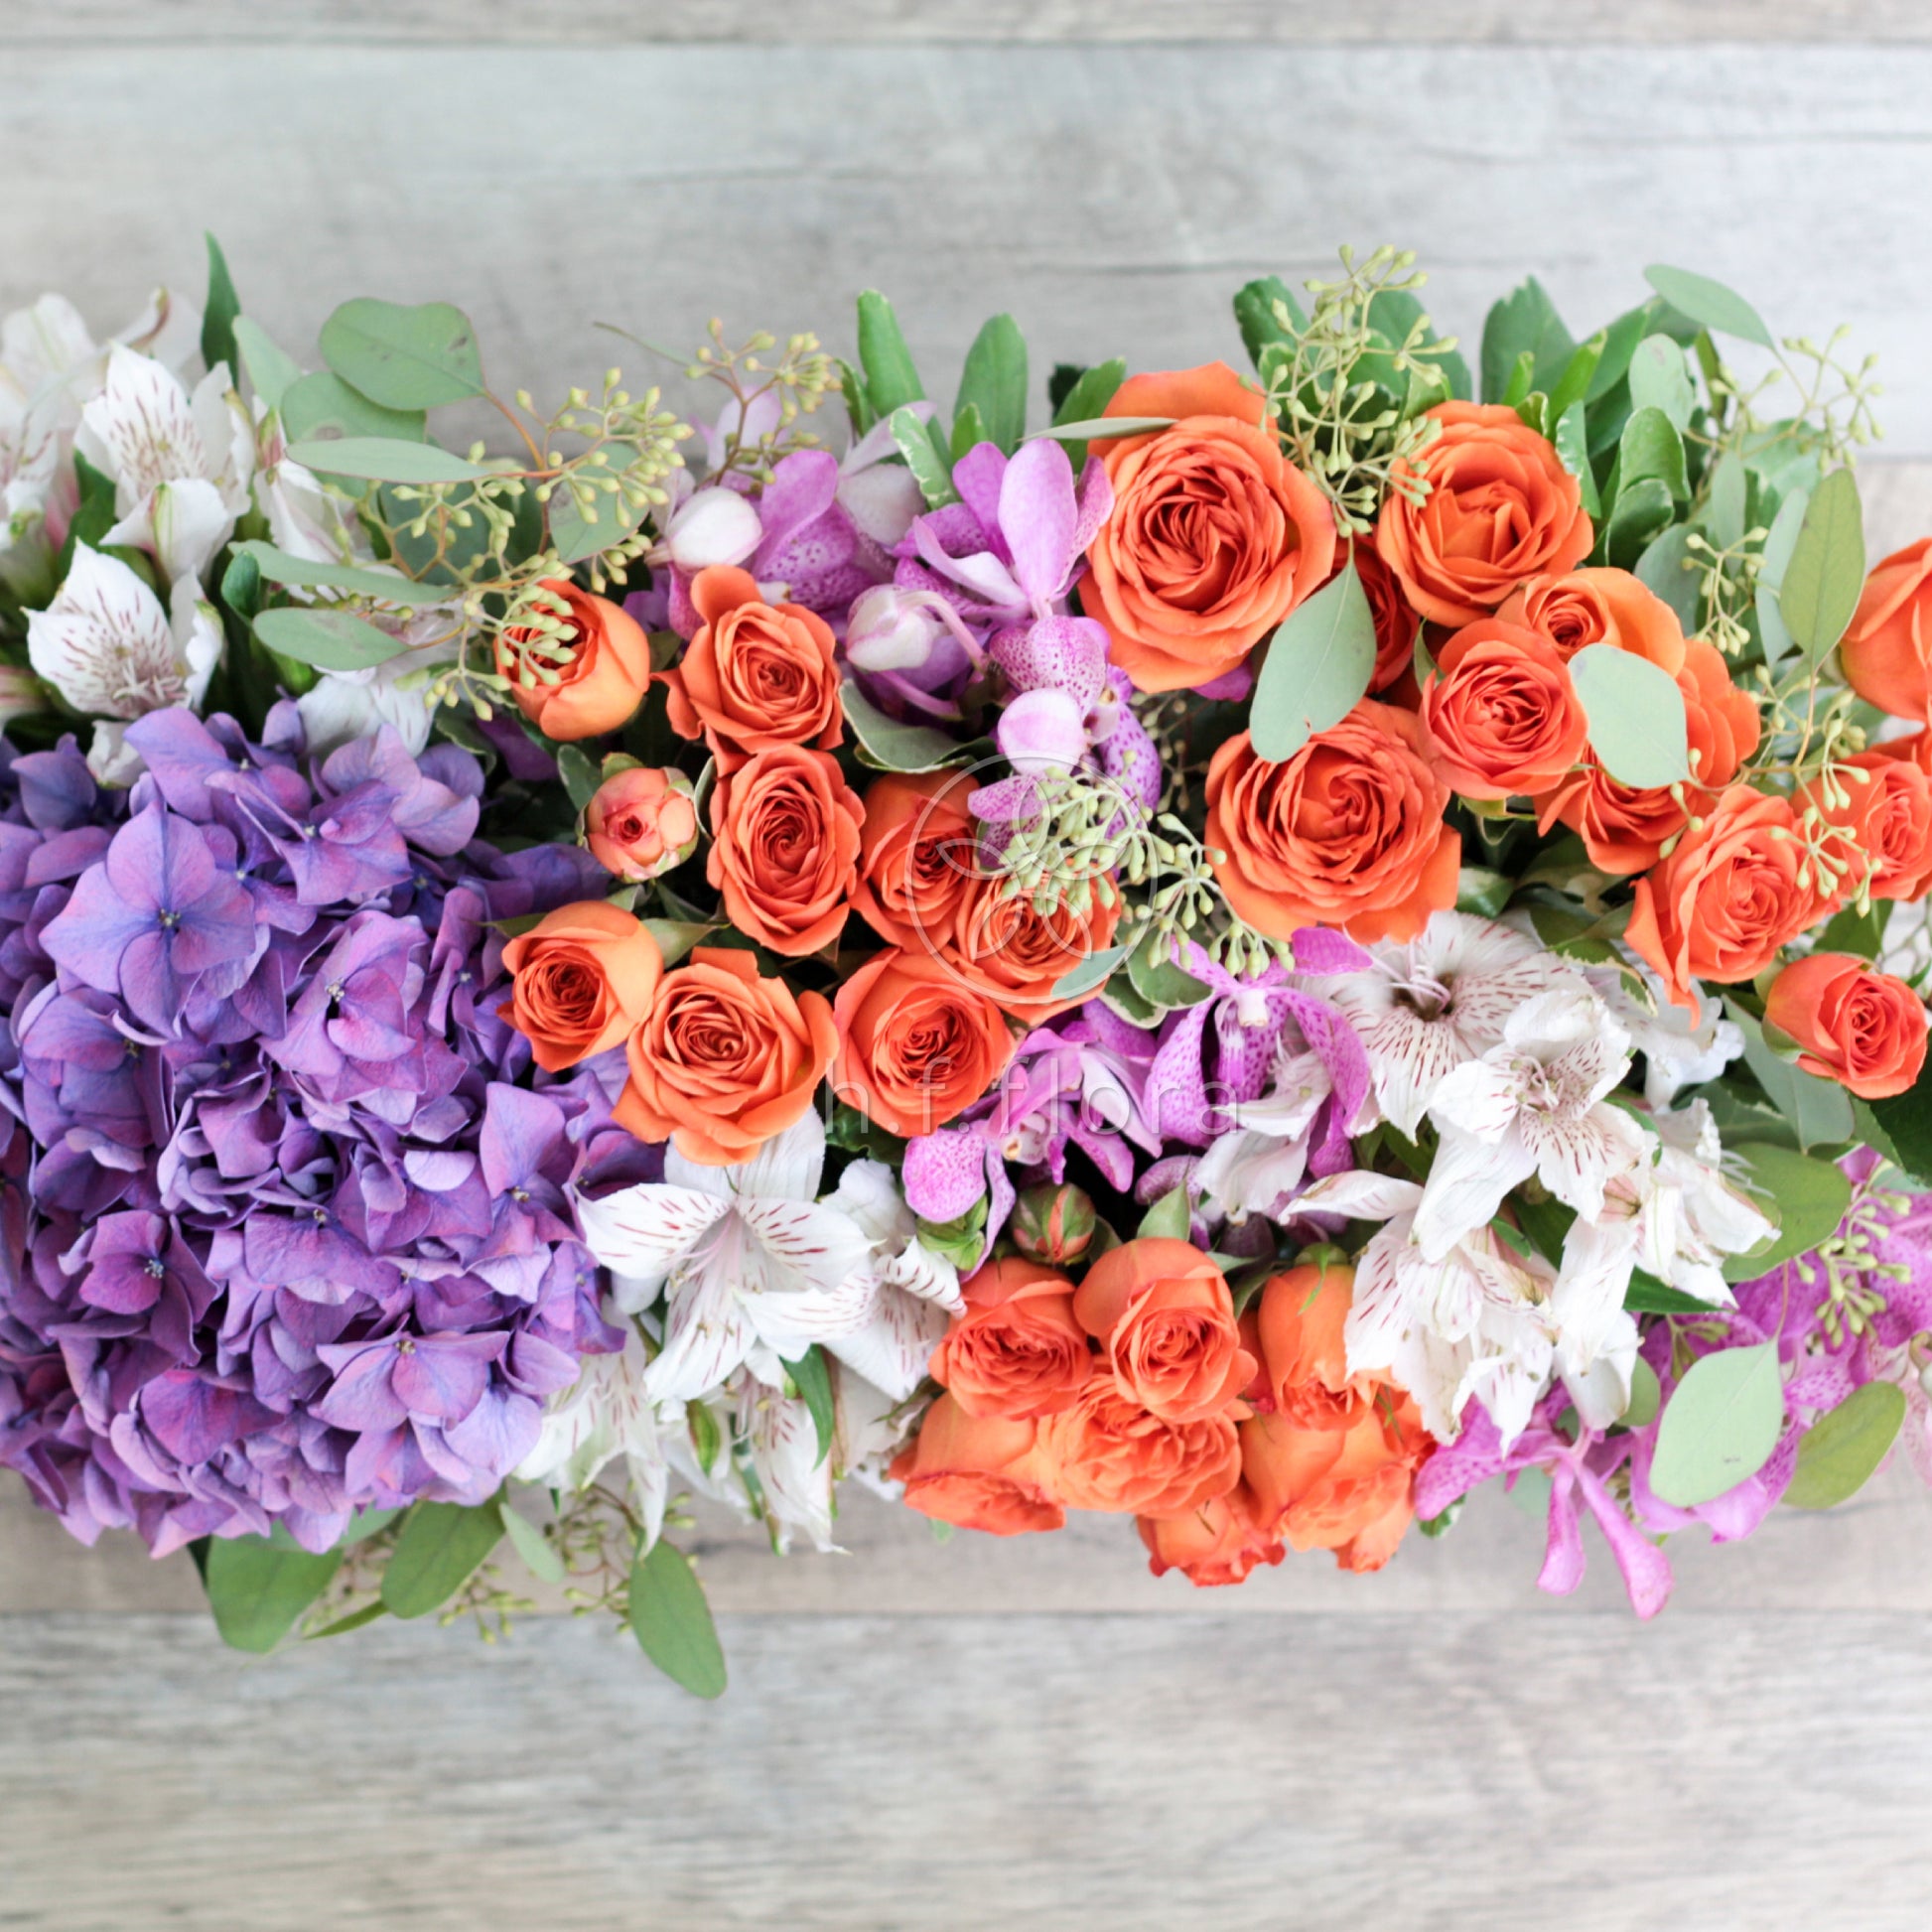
889	631
1041	732
1053	1224
713	526
642	822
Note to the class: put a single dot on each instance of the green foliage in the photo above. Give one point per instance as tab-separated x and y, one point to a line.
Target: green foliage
1159	981
382	459
1268	315
579	777
220	311
930	469
1318	669
1819	1112
278	567
888	745
327	639
1086	398
257	1585
1721	1424
1524	322
812	1378
672	1621
994	383
269	371
1808	1199
1839	1452
1906	1120
323	405
1638	724
890	379
1822	582
440	1548
1709	304
1169	1219
540	1556
418	357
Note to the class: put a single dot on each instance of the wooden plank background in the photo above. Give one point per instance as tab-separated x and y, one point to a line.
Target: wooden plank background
924	1735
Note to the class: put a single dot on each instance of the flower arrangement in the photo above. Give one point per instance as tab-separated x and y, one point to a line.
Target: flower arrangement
1252	956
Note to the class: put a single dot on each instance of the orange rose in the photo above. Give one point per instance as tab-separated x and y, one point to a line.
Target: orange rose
1218	1543
1502	718
598	685
1886	649
1886	814
917	859
1305	1361
1624	827
1214	536
1348	1490
982	1474
581	977
1396	624
1108	1453
642	822
1162	1312
916	1048
724	1059
1015	954
1599	606
757	676
1864	1030
784	848
1500	509
1737	888
1346	833
1017	1351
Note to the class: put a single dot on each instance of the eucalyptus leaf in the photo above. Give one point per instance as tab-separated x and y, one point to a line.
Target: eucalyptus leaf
257	1585
1090	975
1645	1396
994	381
404	357
1781	539
1169	1219
1818	1111
1317	668
1779	643
385	458
323	406
1637	725
1651	447
1906	1119
1840	1452
672	1623
1090	395
1727	490
1807	1197
278	567
1646	1295
1660	378
1822	582
930	471
580	532
814	1380
888	745
269	371
1159	981
1101	429
539	1553
331	640
891	381
1664	567
438	1550
1709	303
1719	1426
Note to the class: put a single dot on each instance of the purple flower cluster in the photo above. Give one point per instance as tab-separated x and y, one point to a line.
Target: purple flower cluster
285	1227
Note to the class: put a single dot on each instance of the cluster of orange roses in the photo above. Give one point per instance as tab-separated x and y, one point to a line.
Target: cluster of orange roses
1139	1391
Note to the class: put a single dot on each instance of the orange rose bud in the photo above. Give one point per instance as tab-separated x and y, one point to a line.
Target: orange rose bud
978	1474
1214	536
1864	1030
1735	890
755	676
1500	509
602	683
1108	1453
1580	608
1347	833
918	857
1348	1490
1162	1312
1886	649
1300	1320
1017	1351
1016	954
642	822
915	1046
581	978
1882	801
1053	1223
784	849
1219	1543
724	1059
1502	718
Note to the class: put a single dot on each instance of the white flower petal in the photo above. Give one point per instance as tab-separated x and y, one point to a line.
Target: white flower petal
641	1231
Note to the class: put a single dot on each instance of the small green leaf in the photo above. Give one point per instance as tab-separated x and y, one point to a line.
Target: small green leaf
257	1585
1524	321
1637	725
1664	567
1651	447
278	567
1781	539
1646	1295
676	937
890	379
857	405
582	530
331	640
1546	1222
928	471
1572	440
219	313
1090	975
1645	1396
1169	1219
354	1620
1806	1198
1838	1454
414	357
1709	303
1318	669
1638	513
672	1621
1719	1426
384	459
1851	931
1482	892
814	1380
320	407
269	371
968	432
1105	429
1091	394
539	1553
888	745
1522	380
1822	582
1818	1111
1255	314
994	381
579	774
1906	1119
1660	380
439	1548
1573	386
1159	981
1727	491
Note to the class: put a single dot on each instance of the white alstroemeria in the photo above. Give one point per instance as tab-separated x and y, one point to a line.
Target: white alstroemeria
1258	1166
181	463
341	706
304	518
112	761
1424	1008
1678	1052
1533	1104
30	455
745	1256
107	645
911	1293
795	1479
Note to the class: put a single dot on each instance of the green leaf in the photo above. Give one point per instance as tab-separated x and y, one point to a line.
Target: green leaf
676	937
1639	514
257	1585
857	405
1638	727
1781	539
1159	981
1524	321
1727	491
384	459
1660	380
994	381
218	314
1719	1426
1838	1454
581	778
439	1548
888	745
331	640
1085	401
278	567
404	357
1103	429
1573	386
1851	931
672	1621
241	584
1645	1396
1572	440
890	379
915	446
813	1381
1663	567
1808	1199
967	431
1255	317
269	371
1906	1119
1646	1295
94	517
1317	668
318	406
1522	380
1090	975
354	1620
1651	447
1481	891
1709	303
1822	582
578	533
1818	1111
1169	1219
539	1553
1546	1222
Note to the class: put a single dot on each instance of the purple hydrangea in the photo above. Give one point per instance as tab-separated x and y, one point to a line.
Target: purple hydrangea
287	1231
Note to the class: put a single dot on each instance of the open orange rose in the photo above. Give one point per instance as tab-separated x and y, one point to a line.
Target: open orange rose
981	1473
724	1059
598	683
1219	1543
642	822
1500	509
1162	1315
784	848
1016	955
915	1046
756	675
1864	1030
918	857
1108	1453
1737	888
1349	1490
1214	537
581	978
1580	608
1346	833
1502	718
1300	1318
1886	649
1017	1351
1882	800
